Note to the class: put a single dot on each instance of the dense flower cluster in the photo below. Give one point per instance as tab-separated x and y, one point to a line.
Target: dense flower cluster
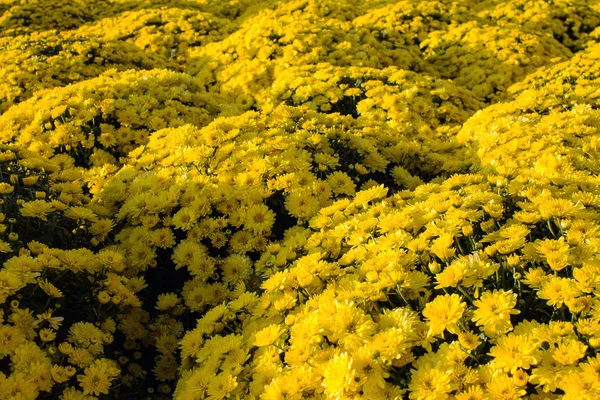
167	32
99	119
305	199
568	21
489	58
50	59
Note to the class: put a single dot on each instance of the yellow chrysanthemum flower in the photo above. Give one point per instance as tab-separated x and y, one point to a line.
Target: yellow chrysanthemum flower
221	386
6	188
185	218
268	335
97	378
443	313
37	209
569	351
515	351
82	213
441	246
5	247
493	311
503	387
429	383
166	301
49	288
558	291
338	376
259	219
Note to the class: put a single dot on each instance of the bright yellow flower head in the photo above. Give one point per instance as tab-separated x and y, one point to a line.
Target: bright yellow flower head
268	335
494	310
443	313
442	246
185	218
259	219
97	378
81	213
6	188
341	183
503	387
569	352
49	288
558	291
221	386
302	205
338	377
10	283
452	275
5	247
512	352
37	209
429	384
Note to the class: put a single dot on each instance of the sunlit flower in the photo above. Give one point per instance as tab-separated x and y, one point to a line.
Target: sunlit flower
493	311
443	313
268	335
37	209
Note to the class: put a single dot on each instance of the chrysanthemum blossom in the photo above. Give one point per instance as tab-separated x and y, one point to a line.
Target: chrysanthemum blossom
494	310
443	313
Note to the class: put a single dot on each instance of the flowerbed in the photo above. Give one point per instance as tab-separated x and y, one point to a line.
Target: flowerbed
301	199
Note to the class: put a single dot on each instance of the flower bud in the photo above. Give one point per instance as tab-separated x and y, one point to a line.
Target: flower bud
467	230
434	267
513	260
564	224
30	180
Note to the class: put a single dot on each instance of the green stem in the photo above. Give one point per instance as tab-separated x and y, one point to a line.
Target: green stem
551	230
399	291
471	356
460	289
459	246
280	348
